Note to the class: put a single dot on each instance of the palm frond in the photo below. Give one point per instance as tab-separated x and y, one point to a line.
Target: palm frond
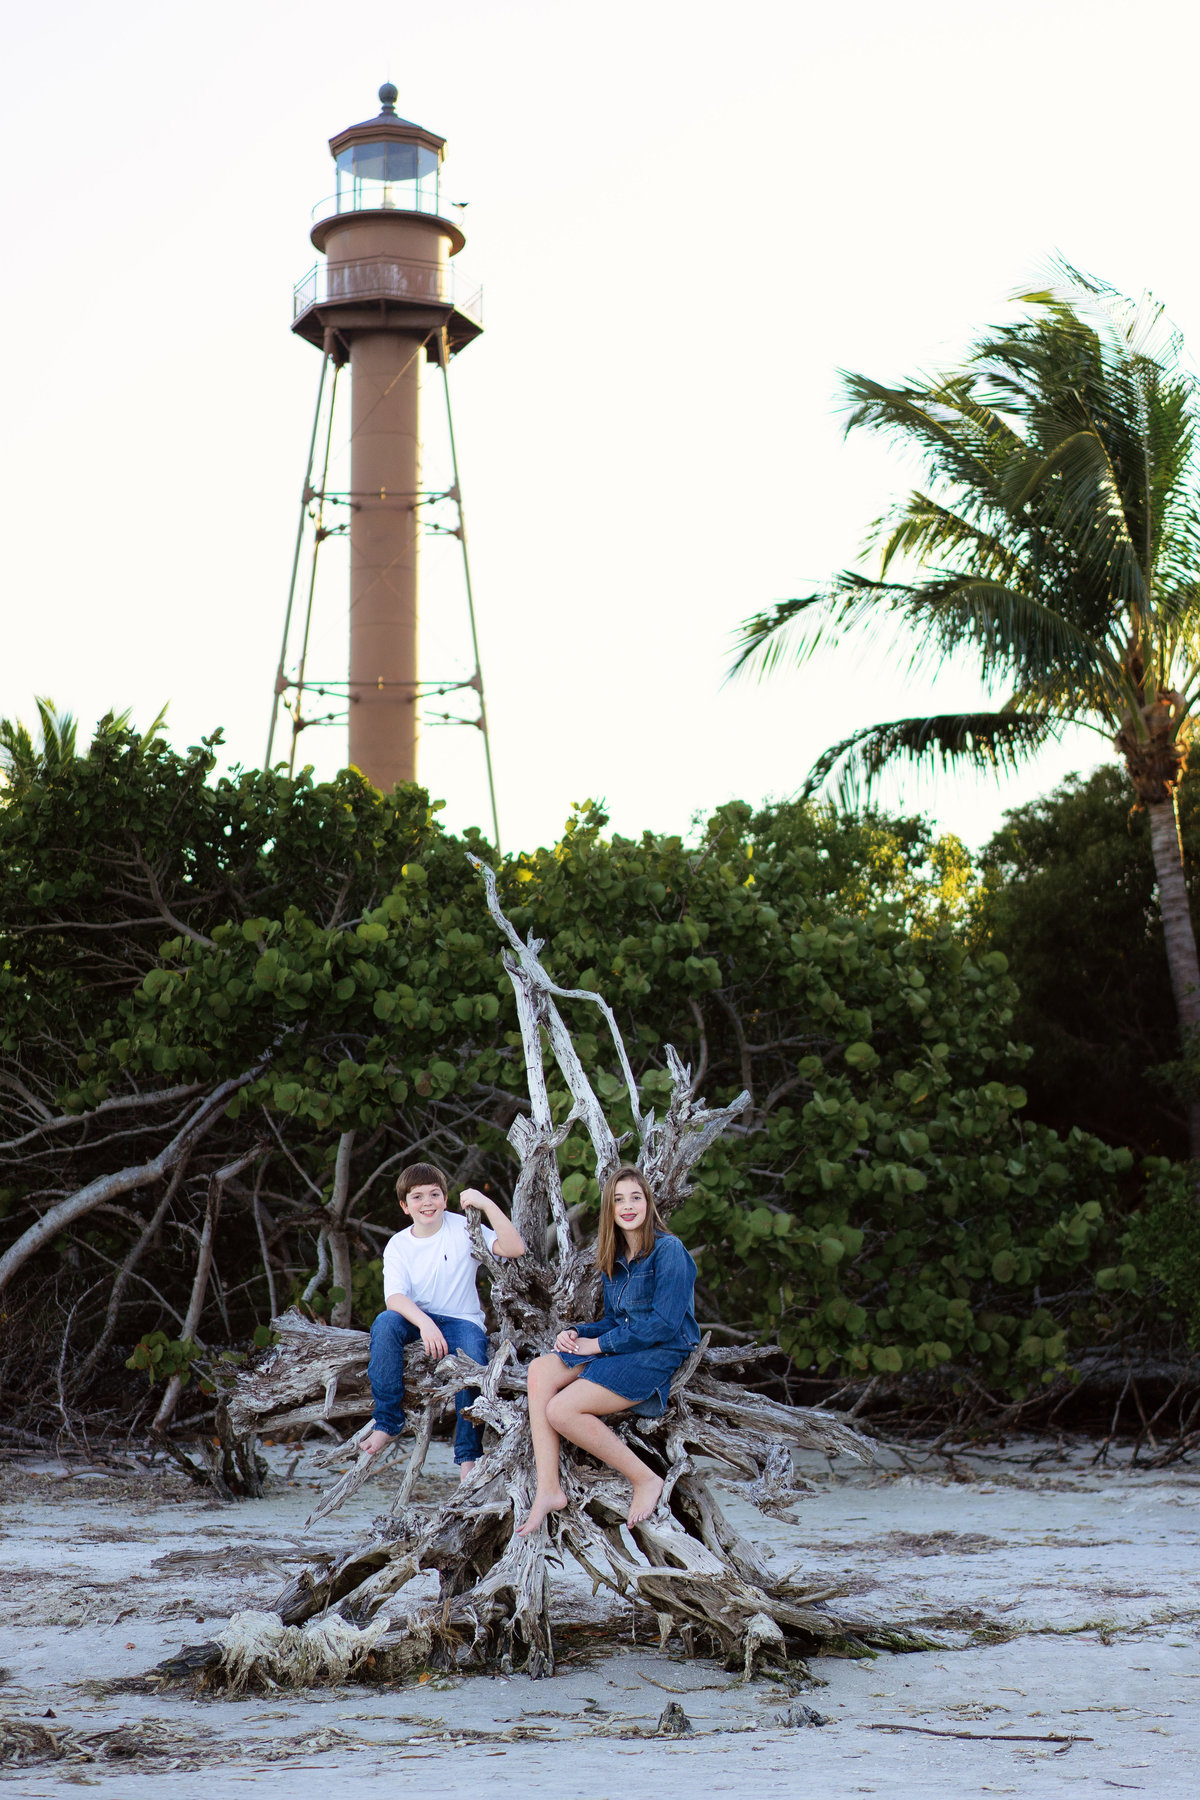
59	732
1077	493
1094	361
1058	538
21	760
154	730
771	635
114	726
1099	705
927	530
964	443
1013	633
18	758
994	740
1139	328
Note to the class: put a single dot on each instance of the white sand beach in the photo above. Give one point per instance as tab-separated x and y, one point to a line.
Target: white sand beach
1065	1596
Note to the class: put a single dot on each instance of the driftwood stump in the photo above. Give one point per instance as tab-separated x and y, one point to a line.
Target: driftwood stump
686	1561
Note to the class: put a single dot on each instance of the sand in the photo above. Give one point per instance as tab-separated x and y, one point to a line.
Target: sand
1065	1599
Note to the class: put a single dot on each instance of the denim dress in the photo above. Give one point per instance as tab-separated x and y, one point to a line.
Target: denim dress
648	1328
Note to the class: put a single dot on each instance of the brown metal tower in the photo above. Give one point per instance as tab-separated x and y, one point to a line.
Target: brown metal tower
383	301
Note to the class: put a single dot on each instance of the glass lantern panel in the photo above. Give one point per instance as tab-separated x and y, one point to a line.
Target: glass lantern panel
386	175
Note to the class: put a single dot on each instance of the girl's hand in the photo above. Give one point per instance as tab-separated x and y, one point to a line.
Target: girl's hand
567	1340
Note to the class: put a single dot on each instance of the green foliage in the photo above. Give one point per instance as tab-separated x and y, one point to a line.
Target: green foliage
885	1209
1056	544
366	1287
322	1304
1161	1249
21	761
159	1357
890	1212
261	873
1069	895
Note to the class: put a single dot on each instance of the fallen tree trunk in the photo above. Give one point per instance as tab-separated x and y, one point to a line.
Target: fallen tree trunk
687	1560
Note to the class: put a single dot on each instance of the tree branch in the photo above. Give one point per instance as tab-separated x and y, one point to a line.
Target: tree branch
126	1271
197	937
107	1187
204	1263
339	1243
122	1103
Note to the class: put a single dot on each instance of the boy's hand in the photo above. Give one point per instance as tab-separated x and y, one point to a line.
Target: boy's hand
435	1344
509	1241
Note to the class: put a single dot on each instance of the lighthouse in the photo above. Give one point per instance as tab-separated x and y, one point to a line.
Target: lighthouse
383	302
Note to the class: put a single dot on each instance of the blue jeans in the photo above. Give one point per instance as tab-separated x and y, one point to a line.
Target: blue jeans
389	1335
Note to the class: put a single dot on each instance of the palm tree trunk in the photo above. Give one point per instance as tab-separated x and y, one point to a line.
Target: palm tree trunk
1179	937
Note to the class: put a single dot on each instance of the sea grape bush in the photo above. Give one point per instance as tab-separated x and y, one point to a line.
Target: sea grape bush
886	1209
889	1210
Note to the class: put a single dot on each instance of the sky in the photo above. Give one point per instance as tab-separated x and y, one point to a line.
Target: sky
686	218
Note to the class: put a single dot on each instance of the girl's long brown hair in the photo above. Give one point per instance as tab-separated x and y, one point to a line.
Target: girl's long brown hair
606	1237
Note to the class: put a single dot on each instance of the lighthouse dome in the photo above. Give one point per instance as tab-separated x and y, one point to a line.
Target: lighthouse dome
387	163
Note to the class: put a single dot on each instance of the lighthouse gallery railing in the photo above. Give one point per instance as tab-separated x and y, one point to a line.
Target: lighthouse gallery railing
386	278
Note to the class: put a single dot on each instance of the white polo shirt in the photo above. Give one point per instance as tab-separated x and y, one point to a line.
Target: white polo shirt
437	1272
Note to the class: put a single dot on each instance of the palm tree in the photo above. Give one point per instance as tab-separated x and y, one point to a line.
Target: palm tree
23	763
21	760
1059	542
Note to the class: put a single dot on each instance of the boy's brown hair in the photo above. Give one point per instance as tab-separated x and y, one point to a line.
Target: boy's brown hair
606	1236
420	1175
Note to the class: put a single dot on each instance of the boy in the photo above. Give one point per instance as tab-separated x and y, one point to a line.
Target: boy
429	1292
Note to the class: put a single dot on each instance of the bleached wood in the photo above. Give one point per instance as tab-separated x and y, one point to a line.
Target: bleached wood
701	1576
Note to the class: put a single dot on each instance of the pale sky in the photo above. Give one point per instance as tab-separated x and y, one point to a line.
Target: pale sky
686	218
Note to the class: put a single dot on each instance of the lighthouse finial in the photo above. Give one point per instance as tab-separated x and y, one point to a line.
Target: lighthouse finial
388	95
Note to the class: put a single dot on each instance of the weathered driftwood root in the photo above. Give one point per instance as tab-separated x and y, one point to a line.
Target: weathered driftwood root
687	1561
309	1359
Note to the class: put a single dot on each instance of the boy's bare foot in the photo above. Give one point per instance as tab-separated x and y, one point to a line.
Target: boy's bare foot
376	1441
542	1504
646	1496
465	1471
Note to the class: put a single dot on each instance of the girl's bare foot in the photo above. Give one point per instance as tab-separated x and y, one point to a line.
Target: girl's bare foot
542	1504
465	1471
646	1496
377	1441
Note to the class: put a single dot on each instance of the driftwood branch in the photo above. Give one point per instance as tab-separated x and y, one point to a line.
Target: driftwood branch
989	1737
687	1560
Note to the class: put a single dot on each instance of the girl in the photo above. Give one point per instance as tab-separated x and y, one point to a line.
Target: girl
624	1362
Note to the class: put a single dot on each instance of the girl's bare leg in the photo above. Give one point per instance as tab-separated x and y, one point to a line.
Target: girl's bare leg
576	1415
548	1375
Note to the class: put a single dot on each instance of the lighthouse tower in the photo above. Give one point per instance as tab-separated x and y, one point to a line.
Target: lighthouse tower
383	301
